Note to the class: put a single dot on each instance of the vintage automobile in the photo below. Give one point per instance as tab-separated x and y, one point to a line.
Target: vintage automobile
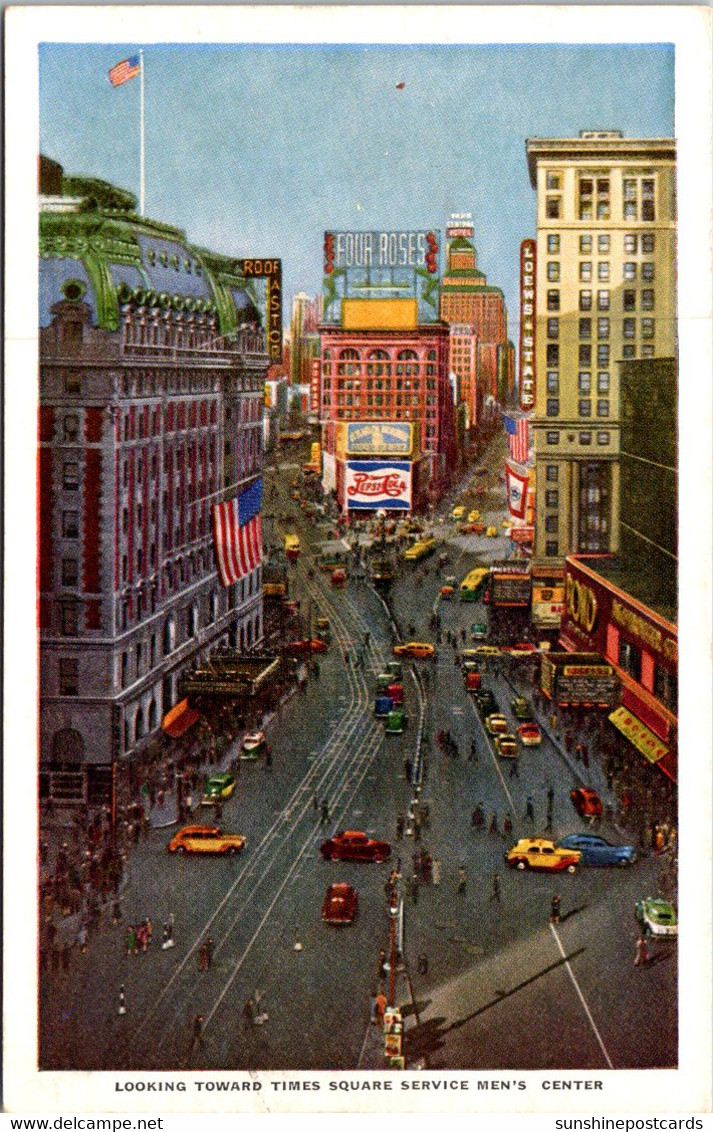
340	904
496	724
219	788
485	703
457	513
506	746
486	650
529	734
339	578
597	851
382	706
418	650
477	528
539	853
492	532
473	516
353	845
254	745
522	708
473	681
396	692
299	648
656	917
446	593
395	668
479	630
396	721
586	802
206	839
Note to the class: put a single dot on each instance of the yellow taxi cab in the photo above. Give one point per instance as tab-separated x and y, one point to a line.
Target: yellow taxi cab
539	853
482	650
507	523
417	649
457	513
473	516
492	532
206	839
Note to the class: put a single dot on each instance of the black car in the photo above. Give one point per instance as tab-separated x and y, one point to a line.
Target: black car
486	703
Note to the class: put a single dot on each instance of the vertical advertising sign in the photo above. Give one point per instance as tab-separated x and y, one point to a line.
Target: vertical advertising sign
271	271
528	253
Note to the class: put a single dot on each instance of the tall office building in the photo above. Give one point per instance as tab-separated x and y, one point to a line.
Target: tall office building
605	292
304	336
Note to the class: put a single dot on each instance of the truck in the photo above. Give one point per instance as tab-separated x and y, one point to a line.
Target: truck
573	679
510	585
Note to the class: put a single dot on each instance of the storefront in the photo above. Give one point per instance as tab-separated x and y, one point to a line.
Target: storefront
641	646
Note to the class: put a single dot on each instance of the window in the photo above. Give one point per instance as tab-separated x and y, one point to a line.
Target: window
71	429
552	497
602	382
629	272
630	658
553	208
70	476
603	244
585	408
70	572
70	524
553	354
551	524
647	272
553	271
647	328
647	351
552	548
647	299
629	327
585	328
603	270
585	270
585	438
602	408
585	300
553	382
629	300
666	688
602	438
553	244
628	351
553	327
648	243
585	381
552	473
586	198
630	243
602	328
68	677
553	438
585	356
630	199
603	202
602	354
648	208
554	181
553	408
602	300
553	300
70	621
585	244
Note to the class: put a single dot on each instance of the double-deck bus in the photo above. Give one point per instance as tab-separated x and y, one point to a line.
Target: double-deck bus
472	585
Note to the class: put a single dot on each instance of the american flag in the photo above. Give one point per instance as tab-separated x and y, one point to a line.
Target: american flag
125	70
518	430
237	530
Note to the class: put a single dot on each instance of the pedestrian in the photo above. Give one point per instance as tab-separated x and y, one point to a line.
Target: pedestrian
248	1016
473	757
168	940
415	886
82	938
399	828
555	909
149	930
210	948
494	824
507	826
131	940
372	1008
203	957
643	957
423	964
261	1015
530	809
122	1000
436	871
382	963
197	1031
462	880
514	773
477	817
408	767
189	804
315	803
116	910
380	1005
495	894
324	812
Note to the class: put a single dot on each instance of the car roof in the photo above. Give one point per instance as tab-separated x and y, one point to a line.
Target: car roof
198	829
339	889
534	841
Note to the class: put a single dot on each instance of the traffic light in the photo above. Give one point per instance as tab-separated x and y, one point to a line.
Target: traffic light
328	253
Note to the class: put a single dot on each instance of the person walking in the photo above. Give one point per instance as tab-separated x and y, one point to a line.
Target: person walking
209	949
643	956
477	818
495	894
408	768
82	937
131	948
550	805
494	824
324	812
248	1016
514	772
372	1008
507	826
203	957
380	1005
197	1039
555	909
423	964
399	828
530	809
473	756
462	881
382	963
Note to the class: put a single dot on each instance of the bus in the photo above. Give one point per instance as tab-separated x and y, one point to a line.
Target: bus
292	547
472	585
420	549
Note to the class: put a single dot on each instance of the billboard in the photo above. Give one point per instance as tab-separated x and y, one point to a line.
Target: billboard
269	271
373	484
527	323
381	265
379	438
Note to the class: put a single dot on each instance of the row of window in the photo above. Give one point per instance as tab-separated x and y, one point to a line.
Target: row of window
584	408
628	327
585	438
630	271
646	297
594	198
635	243
190	266
351	385
584	382
628	350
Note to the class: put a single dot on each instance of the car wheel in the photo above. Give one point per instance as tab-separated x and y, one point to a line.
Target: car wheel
624	862
571	868
182	849
521	865
378	859
232	850
334	857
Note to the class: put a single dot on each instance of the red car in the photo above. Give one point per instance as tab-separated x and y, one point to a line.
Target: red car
523	646
296	648
352	845
586	802
529	734
340	904
395	692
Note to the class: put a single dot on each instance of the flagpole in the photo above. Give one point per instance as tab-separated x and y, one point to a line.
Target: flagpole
142	154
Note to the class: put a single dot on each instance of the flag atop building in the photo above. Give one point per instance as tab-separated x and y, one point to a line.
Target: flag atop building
518	430
125	70
237	529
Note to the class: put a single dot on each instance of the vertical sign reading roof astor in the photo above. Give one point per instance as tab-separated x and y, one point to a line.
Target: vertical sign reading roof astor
527	323
269	270
381	265
373	484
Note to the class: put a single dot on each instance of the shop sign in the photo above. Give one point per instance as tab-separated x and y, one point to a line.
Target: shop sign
587	670
379	438
638	734
375	484
646	632
527	323
580	603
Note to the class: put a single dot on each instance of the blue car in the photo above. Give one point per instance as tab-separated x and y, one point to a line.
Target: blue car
597	851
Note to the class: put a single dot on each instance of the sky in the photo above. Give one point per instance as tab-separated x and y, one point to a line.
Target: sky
256	150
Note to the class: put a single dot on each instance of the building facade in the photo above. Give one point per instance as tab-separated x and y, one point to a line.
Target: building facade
152	370
605	292
304	336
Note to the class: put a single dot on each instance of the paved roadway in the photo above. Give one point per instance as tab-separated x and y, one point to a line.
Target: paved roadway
503	989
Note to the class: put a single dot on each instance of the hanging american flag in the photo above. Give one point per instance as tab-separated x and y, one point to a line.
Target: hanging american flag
125	70
518	430
237	529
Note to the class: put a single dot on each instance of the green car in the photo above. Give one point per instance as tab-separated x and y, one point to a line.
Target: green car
382	682
395	722
219	788
522	708
395	668
479	631
656	917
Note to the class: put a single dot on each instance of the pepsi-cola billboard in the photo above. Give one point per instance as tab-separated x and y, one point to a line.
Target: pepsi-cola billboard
372	485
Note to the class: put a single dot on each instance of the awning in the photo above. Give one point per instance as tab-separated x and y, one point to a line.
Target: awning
179	719
639	734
